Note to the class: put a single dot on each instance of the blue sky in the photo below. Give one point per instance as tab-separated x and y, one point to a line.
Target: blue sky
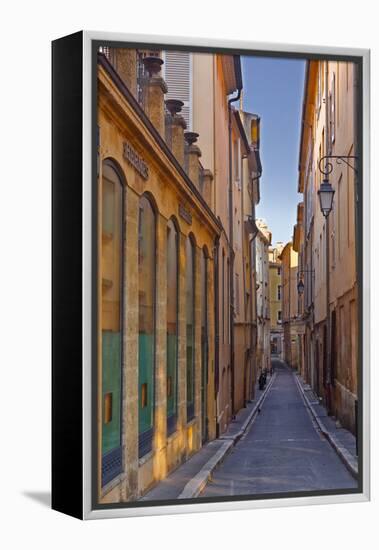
273	89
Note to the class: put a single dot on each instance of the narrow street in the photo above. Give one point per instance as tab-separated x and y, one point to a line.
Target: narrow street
283	451
185	335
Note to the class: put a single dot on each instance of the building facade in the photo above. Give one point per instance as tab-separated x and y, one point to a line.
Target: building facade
177	187
303	274
156	238
275	278
329	248
292	322
230	148
262	243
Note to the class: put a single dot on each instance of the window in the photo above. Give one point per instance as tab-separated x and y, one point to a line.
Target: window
172	325
237	293
236	161
338	93
353	345
279	271
223	296
339	216
333	246
319	86
228	300
309	195
279	316
111	321
333	350
190	327
146	325
349	194
177	72
332	116
322	152
279	292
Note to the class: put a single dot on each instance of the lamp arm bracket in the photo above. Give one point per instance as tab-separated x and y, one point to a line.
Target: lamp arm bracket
328	166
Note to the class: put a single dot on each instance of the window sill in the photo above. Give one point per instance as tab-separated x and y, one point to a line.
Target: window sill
192	421
171	436
110	485
107	236
145	458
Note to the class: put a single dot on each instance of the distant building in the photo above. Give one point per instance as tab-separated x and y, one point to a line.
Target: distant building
292	323
263	242
234	165
304	275
275	278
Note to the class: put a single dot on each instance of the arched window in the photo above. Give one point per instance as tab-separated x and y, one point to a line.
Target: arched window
190	324
111	320
146	325
172	325
204	343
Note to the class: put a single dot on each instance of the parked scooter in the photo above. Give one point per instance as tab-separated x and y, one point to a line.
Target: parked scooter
262	379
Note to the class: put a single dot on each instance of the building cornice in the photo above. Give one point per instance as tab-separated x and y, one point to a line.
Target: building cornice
307	111
108	78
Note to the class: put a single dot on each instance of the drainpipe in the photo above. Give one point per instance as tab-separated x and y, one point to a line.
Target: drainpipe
231	244
327	247
245	321
217	329
254	329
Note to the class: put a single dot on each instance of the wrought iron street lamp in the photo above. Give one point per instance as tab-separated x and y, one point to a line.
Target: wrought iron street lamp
300	287
326	191
325	161
300	279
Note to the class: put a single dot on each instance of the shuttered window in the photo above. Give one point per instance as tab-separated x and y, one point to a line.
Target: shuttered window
177	72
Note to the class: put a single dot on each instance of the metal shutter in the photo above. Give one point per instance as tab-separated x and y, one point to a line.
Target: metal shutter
178	77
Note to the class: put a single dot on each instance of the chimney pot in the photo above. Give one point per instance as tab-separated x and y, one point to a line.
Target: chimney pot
152	64
174	106
191	137
153	93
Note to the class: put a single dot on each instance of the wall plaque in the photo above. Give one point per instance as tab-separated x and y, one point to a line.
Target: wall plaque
131	155
185	214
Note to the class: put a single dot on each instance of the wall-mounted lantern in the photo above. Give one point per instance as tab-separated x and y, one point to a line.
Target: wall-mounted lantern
326	191
300	287
325	195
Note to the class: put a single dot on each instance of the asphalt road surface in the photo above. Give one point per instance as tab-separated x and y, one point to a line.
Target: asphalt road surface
282	451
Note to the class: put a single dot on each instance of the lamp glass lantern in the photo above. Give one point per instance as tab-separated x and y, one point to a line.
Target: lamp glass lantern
325	195
300	287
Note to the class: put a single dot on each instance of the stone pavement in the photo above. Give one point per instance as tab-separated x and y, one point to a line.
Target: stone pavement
342	440
282	451
189	479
